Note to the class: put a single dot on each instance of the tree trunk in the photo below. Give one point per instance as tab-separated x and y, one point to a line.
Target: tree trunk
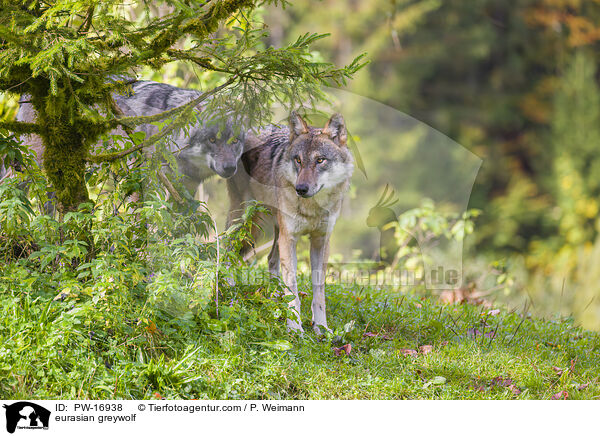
64	153
64	165
65	150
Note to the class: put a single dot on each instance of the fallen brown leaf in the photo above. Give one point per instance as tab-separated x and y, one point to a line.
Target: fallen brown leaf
583	386
501	381
562	395
151	327
551	345
465	295
408	352
557	370
426	349
515	390
344	349
452	296
573	362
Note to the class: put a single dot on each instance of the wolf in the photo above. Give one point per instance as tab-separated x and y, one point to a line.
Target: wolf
301	173
200	152
204	149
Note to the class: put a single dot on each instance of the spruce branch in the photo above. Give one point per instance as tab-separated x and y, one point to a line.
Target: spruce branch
167	183
131	122
139	120
20	127
85	26
200	27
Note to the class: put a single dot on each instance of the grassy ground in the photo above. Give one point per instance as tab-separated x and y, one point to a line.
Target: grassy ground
384	346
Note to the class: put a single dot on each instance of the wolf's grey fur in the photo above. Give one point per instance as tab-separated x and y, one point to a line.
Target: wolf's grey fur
301	173
202	151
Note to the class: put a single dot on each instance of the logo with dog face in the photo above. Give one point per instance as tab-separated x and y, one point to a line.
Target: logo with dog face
26	415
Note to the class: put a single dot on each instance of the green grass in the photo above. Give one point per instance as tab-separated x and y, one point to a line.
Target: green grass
124	348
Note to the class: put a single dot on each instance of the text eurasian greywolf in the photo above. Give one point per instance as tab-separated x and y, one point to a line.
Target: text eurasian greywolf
302	174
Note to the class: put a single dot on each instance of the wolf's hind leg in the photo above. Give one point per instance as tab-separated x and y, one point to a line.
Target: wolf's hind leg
274	254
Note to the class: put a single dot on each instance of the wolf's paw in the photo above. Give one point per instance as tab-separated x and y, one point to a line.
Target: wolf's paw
321	329
294	327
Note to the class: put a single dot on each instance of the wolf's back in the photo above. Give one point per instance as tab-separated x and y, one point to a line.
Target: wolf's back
153	97
264	151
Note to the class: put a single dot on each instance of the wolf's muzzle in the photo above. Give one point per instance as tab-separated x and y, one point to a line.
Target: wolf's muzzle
302	189
228	171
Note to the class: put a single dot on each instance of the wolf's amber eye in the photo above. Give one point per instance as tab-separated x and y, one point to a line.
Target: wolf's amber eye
297	159
213	139
320	160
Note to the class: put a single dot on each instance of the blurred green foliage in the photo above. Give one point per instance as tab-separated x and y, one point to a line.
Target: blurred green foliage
514	82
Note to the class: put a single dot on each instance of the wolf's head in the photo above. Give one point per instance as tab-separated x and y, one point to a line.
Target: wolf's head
211	149
317	159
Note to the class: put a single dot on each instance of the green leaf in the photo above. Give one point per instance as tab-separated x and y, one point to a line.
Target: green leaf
278	344
436	381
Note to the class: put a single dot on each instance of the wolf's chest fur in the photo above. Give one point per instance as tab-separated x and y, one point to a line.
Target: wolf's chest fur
309	215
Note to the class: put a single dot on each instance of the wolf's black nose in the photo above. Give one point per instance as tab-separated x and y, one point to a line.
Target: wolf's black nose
229	171
302	189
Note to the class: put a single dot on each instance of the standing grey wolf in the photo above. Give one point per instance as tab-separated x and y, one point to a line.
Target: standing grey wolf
200	152
301	173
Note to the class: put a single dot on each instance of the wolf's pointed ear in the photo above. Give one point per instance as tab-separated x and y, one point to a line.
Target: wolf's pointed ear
336	130
297	125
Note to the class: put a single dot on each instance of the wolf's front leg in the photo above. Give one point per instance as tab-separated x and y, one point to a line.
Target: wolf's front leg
319	252
287	258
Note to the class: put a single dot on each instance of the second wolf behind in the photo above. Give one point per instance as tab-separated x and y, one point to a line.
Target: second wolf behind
302	174
202	151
